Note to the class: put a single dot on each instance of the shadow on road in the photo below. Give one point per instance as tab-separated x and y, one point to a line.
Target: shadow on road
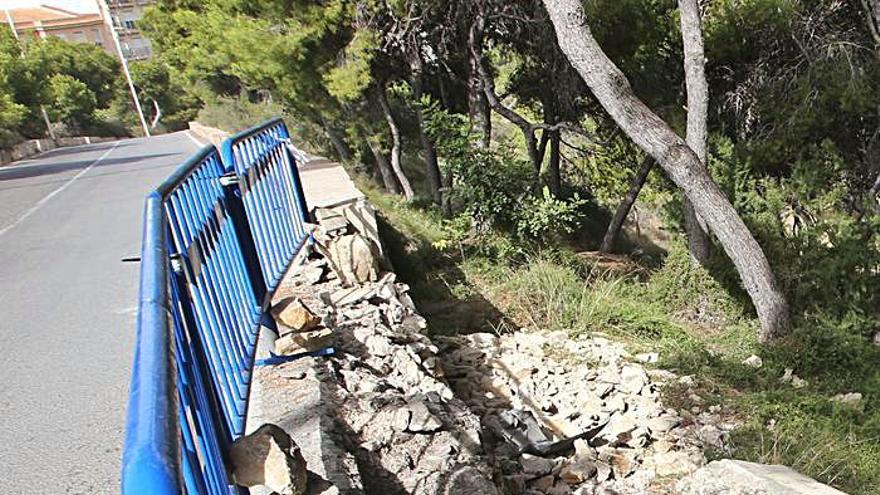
14	173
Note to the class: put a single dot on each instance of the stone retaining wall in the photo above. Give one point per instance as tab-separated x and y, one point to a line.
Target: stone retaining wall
33	147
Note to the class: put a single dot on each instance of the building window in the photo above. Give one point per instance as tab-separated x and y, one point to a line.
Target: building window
129	24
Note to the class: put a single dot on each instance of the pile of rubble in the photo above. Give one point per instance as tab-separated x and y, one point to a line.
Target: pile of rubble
396	414
523	413
578	415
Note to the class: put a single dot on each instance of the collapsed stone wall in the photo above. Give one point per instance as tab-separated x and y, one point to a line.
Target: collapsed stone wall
524	413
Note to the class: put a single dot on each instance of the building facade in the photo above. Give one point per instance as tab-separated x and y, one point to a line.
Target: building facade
125	14
42	22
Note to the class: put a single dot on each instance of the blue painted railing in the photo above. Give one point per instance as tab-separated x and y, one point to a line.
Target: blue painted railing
218	235
271	193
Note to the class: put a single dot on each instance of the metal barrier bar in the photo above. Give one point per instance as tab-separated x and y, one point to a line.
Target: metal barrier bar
272	195
151	457
214	250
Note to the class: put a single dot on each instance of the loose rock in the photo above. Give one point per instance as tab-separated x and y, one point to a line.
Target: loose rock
269	457
296	343
578	471
849	399
292	313
753	361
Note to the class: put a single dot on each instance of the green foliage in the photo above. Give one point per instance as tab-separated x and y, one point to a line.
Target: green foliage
11	116
690	292
544	216
824	256
498	190
70	101
155	85
350	79
85	62
77	84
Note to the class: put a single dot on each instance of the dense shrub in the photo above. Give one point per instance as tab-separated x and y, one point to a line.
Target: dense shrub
496	189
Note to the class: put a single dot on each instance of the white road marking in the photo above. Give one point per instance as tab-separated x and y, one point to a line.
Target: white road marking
132	310
193	138
40	203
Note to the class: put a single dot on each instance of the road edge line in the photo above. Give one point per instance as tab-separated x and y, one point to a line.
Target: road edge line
194	140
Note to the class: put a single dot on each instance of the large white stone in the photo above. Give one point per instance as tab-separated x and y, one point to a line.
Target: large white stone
731	477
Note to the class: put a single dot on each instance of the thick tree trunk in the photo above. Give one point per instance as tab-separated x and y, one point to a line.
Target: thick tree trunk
478	105
384	168
635	186
682	165
432	166
552	176
395	145
697	117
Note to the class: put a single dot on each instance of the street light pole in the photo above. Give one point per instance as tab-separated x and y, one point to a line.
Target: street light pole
11	22
106	14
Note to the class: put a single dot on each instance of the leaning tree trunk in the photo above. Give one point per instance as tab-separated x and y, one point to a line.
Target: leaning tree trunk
478	105
526	127
626	205
658	139
697	116
383	166
432	166
395	145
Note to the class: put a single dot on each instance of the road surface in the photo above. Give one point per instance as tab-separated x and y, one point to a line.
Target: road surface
67	309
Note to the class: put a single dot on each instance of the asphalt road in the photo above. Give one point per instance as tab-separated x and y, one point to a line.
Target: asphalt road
67	309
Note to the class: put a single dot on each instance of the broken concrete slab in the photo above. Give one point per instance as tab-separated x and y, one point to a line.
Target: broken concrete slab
331	220
346	297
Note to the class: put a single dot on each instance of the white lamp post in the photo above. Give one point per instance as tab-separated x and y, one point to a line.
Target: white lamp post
106	14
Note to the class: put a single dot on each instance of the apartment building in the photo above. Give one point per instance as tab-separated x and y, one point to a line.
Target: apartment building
125	14
44	21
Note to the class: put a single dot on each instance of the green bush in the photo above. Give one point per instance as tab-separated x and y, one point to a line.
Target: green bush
546	216
496	189
71	101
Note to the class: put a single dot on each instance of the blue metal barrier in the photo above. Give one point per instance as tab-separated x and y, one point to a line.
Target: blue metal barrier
272	195
207	246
